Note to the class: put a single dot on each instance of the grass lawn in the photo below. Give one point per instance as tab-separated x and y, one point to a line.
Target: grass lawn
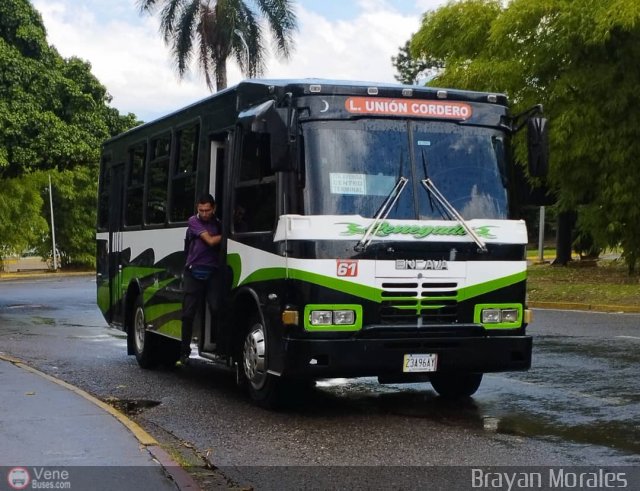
604	282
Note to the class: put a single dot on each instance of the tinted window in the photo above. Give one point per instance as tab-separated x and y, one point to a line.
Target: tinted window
135	184
158	181
103	195
255	201
183	187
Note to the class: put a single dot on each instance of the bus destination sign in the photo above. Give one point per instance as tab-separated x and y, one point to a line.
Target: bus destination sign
413	108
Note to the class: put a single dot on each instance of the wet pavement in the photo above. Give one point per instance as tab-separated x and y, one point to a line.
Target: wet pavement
578	405
55	438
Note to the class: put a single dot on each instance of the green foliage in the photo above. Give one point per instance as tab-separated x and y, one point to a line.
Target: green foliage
457	31
214	31
409	68
54	115
21	223
74	205
579	58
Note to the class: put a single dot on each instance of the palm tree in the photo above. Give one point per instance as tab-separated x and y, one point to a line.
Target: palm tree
213	30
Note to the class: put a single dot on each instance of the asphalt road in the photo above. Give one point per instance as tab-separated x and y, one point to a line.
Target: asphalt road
578	405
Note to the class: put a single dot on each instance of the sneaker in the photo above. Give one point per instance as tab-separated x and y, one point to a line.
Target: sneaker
183	361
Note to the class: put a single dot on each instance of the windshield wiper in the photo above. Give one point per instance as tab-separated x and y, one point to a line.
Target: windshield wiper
442	212
432	189
382	214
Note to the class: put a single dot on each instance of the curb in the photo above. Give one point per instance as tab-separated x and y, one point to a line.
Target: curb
626	309
182	478
40	275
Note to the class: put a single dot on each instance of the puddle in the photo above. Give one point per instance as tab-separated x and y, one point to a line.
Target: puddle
132	407
612	434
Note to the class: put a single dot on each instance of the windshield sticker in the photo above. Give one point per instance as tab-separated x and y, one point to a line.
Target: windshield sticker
415	108
341	183
417	231
360	184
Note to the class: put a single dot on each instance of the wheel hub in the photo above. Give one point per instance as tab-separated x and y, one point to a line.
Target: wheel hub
139	328
254	357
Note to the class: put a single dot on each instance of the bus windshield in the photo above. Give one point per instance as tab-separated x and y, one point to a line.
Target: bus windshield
352	166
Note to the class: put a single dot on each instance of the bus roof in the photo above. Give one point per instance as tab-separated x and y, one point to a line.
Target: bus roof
252	91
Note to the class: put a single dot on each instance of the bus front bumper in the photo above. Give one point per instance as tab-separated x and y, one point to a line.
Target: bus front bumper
326	358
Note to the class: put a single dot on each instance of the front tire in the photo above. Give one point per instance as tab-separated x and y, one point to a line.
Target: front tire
144	342
263	387
455	385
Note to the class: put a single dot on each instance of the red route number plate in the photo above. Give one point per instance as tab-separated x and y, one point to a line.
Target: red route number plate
420	363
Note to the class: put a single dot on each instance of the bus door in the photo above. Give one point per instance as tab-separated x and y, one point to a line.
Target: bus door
217	154
116	188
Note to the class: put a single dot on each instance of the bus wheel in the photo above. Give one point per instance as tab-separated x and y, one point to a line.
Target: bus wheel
455	385
263	387
143	340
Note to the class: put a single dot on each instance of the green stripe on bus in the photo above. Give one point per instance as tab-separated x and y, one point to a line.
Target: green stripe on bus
153	312
375	294
490	286
172	328
155	288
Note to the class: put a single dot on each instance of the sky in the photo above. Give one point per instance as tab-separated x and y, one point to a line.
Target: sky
339	39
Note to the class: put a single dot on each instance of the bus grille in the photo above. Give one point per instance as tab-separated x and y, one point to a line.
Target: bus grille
406	302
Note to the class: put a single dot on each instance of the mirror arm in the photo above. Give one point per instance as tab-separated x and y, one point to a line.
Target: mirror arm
517	125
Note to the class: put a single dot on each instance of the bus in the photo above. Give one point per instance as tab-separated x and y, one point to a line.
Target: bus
369	230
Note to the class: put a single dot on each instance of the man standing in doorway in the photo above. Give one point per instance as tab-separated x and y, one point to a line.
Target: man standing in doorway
201	278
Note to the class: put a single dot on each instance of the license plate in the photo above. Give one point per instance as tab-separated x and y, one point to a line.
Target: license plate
420	363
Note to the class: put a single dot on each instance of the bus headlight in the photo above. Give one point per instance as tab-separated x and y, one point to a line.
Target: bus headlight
330	317
321	318
491	316
509	315
506	316
344	317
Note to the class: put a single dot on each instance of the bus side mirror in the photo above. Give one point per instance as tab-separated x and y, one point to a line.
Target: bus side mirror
538	146
267	119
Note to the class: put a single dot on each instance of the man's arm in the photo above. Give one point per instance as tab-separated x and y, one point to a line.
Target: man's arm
210	240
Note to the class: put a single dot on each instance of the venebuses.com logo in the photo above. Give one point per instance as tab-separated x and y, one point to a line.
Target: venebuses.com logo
38	478
18	478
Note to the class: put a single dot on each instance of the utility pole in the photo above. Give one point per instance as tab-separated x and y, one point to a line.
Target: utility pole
53	229
541	235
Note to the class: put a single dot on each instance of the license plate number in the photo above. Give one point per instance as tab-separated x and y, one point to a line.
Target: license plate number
420	363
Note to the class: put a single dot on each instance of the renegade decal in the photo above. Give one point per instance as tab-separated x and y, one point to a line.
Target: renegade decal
417	231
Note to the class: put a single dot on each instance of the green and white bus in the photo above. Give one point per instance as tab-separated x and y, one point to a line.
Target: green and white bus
367	232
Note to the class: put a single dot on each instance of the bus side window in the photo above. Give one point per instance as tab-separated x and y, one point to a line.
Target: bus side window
158	180
255	190
135	185
103	194
183	186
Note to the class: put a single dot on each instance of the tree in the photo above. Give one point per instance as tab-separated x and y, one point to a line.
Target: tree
220	29
578	58
21	223
54	115
411	69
